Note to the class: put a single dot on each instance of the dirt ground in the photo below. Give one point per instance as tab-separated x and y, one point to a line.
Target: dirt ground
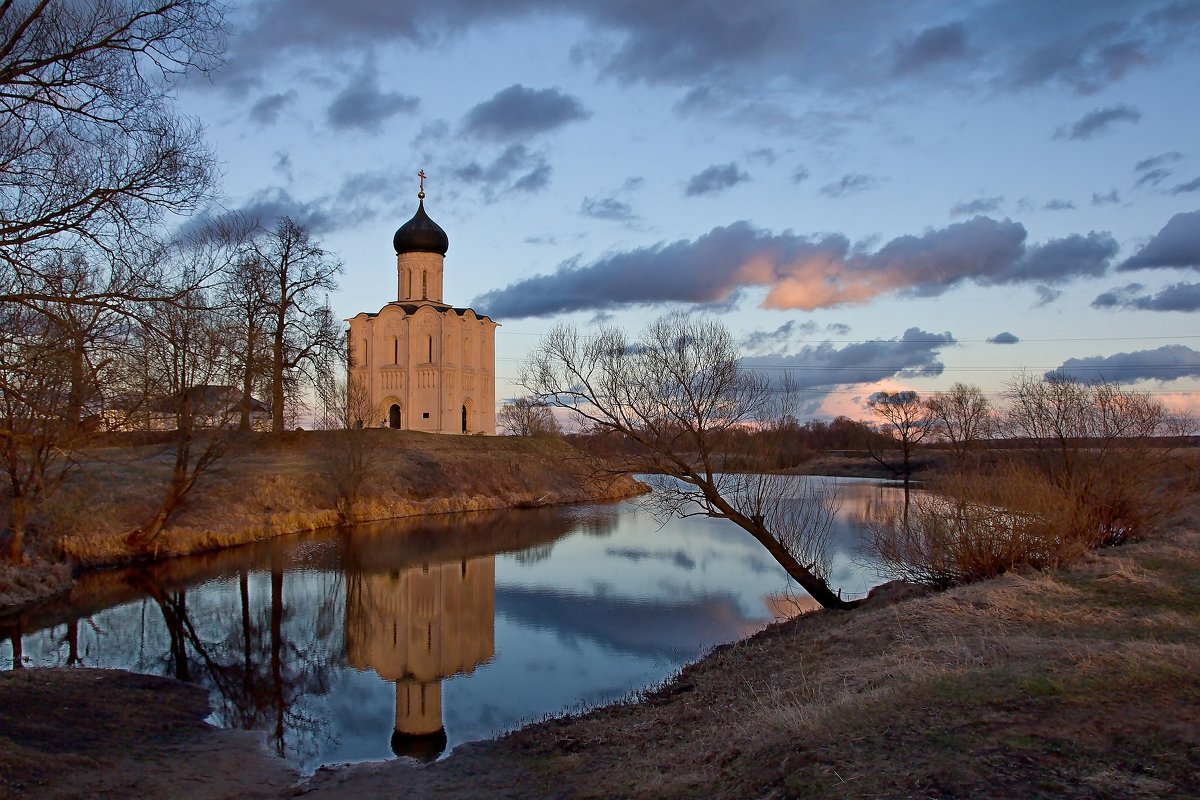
1078	684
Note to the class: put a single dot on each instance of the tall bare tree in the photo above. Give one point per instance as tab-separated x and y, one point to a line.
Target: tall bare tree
961	416
675	394
906	420
304	336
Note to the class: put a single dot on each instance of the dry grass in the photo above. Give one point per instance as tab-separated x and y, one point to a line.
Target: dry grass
1036	684
267	486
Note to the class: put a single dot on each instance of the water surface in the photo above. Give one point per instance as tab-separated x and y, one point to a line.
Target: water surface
364	644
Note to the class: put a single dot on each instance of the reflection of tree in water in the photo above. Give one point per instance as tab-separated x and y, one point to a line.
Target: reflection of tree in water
257	673
532	555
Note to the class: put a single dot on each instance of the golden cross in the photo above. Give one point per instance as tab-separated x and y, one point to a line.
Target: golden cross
421	175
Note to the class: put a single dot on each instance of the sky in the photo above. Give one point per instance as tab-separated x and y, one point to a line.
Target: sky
876	195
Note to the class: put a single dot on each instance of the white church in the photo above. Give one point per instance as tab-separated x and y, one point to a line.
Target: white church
423	364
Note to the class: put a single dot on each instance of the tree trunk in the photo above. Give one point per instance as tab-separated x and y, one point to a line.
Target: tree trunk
277	657
277	373
15	551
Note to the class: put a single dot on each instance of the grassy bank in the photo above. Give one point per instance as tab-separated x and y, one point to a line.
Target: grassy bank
266	486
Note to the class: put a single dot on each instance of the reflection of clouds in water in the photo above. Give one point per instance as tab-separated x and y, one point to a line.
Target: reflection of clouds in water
676	557
636	626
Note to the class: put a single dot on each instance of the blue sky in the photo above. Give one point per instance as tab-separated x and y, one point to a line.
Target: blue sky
881	194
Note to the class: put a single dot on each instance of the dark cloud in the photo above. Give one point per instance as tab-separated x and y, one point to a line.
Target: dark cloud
1046	295
1176	245
1058	205
519	112
716	178
1100	121
774	340
1153	177
1191	186
912	355
800	175
849	184
633	183
763	155
266	109
982	205
362	105
931	47
516	168
1111	198
1155	162
801	272
1176	297
367	186
1004	337
607	208
1082	46
1167	363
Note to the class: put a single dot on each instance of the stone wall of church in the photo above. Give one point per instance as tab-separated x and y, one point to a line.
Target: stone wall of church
432	370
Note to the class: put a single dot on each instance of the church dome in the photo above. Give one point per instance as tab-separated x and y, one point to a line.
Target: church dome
421	234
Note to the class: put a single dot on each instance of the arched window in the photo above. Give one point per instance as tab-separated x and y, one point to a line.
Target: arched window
429	348
395	350
364	352
464	419
424	285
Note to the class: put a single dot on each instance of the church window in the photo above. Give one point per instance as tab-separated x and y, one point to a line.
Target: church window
395	350
364	352
429	348
424	285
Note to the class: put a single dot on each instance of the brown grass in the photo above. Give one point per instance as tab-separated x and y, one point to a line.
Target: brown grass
271	485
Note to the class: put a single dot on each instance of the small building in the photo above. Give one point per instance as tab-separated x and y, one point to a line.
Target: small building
419	363
211	407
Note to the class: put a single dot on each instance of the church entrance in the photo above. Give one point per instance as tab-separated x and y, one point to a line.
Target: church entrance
394	416
464	419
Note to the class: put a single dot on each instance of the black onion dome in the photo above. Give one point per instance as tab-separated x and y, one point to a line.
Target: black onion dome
421	235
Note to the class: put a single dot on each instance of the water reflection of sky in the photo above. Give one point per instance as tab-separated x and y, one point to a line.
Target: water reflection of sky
581	606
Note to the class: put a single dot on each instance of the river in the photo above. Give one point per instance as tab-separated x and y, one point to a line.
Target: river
412	636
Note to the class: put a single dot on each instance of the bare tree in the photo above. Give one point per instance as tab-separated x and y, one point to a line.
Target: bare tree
906	420
674	394
304	336
523	416
35	441
961	416
90	146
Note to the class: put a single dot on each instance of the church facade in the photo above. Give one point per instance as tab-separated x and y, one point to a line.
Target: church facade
419	363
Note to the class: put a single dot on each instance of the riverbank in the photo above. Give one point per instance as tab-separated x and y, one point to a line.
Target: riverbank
266	486
1079	683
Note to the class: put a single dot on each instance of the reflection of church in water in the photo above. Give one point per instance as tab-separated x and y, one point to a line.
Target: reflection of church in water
417	627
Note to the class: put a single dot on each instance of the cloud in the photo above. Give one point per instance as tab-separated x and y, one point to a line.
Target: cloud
772	340
1109	199
819	49
849	184
982	205
764	155
801	272
934	46
1058	205
1176	245
1153	177
519	112
1167	363
1176	297
914	354
362	105
714	179
607	208
1155	162
800	175
516	168
1004	337
1191	186
267	109
1100	121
